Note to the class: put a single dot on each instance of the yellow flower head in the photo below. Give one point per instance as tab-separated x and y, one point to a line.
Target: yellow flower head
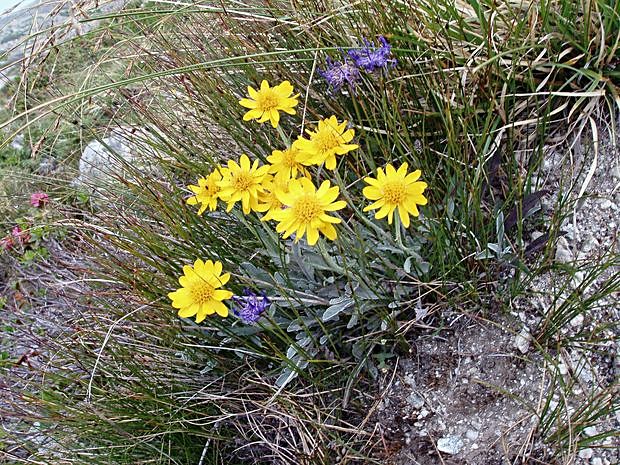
207	192
199	293
306	208
269	201
287	163
330	139
265	104
242	182
395	189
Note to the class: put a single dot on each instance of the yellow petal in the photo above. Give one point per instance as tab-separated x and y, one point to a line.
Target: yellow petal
188	311
313	236
404	216
247	103
220	308
372	193
221	294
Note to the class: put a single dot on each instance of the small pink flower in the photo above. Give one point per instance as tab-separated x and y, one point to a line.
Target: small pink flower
22	237
39	199
7	243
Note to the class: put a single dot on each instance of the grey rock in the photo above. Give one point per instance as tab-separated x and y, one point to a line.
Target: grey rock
415	401
591	431
586	453
109	159
577	321
563	253
450	445
472	434
597	461
47	166
522	341
18	142
605	204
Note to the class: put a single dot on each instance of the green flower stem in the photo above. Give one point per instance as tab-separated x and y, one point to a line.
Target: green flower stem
399	239
328	259
284	137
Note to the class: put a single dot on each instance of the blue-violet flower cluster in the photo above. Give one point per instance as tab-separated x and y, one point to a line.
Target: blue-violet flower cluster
369	58
337	73
250	307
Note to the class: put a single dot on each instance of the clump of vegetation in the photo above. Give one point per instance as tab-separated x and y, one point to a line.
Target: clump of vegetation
329	179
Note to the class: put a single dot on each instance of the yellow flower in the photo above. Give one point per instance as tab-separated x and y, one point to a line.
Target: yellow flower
269	201
207	192
330	139
287	163
242	182
306	210
395	189
199	294
265	104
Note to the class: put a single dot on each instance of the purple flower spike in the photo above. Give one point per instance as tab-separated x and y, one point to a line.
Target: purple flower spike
371	58
250	307
338	73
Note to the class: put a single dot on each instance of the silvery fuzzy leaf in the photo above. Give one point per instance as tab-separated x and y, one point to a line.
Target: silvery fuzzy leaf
388	248
353	321
305	266
256	273
286	377
495	248
420	311
296	325
291	352
279	278
338	305
407	265
358	350
484	255
361	291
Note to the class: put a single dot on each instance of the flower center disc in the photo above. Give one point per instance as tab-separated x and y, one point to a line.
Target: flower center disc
242	181
327	140
289	159
306	209
202	292
395	192
212	189
268	101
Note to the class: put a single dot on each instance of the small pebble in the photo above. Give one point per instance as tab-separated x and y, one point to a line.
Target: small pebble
577	321
536	235
415	401
472	435
563	253
586	453
596	461
450	445
522	341
605	204
578	279
591	431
